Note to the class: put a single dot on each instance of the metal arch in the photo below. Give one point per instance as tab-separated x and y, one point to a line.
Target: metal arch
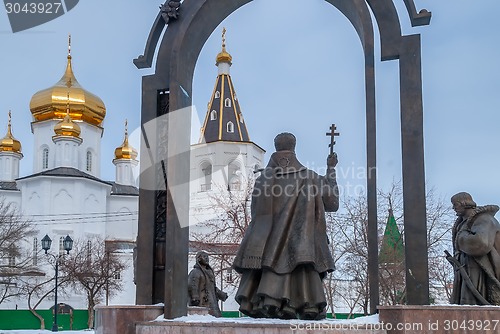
422	18
389	27
188	35
146	59
358	14
177	56
384	11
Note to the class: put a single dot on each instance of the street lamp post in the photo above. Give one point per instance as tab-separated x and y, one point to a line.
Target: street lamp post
67	245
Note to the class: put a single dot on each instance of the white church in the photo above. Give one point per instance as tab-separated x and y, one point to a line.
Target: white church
65	194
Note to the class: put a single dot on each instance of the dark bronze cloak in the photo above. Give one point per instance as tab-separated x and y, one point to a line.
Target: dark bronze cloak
287	237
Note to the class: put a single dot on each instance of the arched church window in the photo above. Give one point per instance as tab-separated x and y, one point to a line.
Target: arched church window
89	252
207	177
230	127
45	158
61	245
89	161
213	115
234	176
217	94
235	183
35	251
227	102
229	275
12	256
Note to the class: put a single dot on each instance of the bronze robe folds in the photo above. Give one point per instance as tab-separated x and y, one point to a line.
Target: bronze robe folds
284	254
477	247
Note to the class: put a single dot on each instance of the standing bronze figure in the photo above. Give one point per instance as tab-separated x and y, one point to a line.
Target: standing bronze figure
476	246
284	254
201	286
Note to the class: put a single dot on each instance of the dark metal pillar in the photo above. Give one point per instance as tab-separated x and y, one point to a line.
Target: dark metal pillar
412	140
371	184
177	206
150	260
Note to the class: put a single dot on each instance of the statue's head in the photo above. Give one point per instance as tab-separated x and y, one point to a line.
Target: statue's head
202	258
285	142
462	201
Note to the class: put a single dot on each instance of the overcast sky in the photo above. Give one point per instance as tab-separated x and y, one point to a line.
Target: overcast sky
295	68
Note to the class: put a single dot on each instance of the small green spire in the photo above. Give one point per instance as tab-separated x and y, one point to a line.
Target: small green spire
392	249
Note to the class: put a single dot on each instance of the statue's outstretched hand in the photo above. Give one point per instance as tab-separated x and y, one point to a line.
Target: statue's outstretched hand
332	160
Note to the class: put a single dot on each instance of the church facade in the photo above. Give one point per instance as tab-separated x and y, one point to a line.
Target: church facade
65	194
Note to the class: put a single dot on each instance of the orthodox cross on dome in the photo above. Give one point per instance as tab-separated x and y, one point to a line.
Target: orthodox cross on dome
69	45
9	126
224	37
332	134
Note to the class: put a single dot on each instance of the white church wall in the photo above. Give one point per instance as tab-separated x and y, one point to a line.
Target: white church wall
91	135
121	224
127	295
91	143
11	196
42	135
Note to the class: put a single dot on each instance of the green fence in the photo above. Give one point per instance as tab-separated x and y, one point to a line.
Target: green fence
24	319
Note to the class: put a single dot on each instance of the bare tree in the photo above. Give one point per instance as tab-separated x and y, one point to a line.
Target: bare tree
37	289
15	259
440	219
92	268
351	247
350	243
221	236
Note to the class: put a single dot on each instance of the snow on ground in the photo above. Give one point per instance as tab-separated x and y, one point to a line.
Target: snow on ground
371	319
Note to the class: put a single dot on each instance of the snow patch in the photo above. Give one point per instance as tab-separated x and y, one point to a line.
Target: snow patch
371	319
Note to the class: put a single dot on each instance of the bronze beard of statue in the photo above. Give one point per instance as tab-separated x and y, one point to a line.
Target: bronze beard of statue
284	254
201	286
476	247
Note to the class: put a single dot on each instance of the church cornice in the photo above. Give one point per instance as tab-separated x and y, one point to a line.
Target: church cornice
65	172
199	145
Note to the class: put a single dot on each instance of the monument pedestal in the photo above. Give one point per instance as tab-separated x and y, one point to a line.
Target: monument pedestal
121	319
209	325
440	319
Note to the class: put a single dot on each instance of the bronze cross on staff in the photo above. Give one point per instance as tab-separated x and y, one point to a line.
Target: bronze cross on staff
332	134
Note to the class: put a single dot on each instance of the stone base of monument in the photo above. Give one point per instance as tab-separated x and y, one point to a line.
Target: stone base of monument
437	319
197	310
122	319
209	325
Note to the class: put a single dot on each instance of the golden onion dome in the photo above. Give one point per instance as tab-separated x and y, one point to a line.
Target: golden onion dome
50	103
223	56
9	143
125	150
66	127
